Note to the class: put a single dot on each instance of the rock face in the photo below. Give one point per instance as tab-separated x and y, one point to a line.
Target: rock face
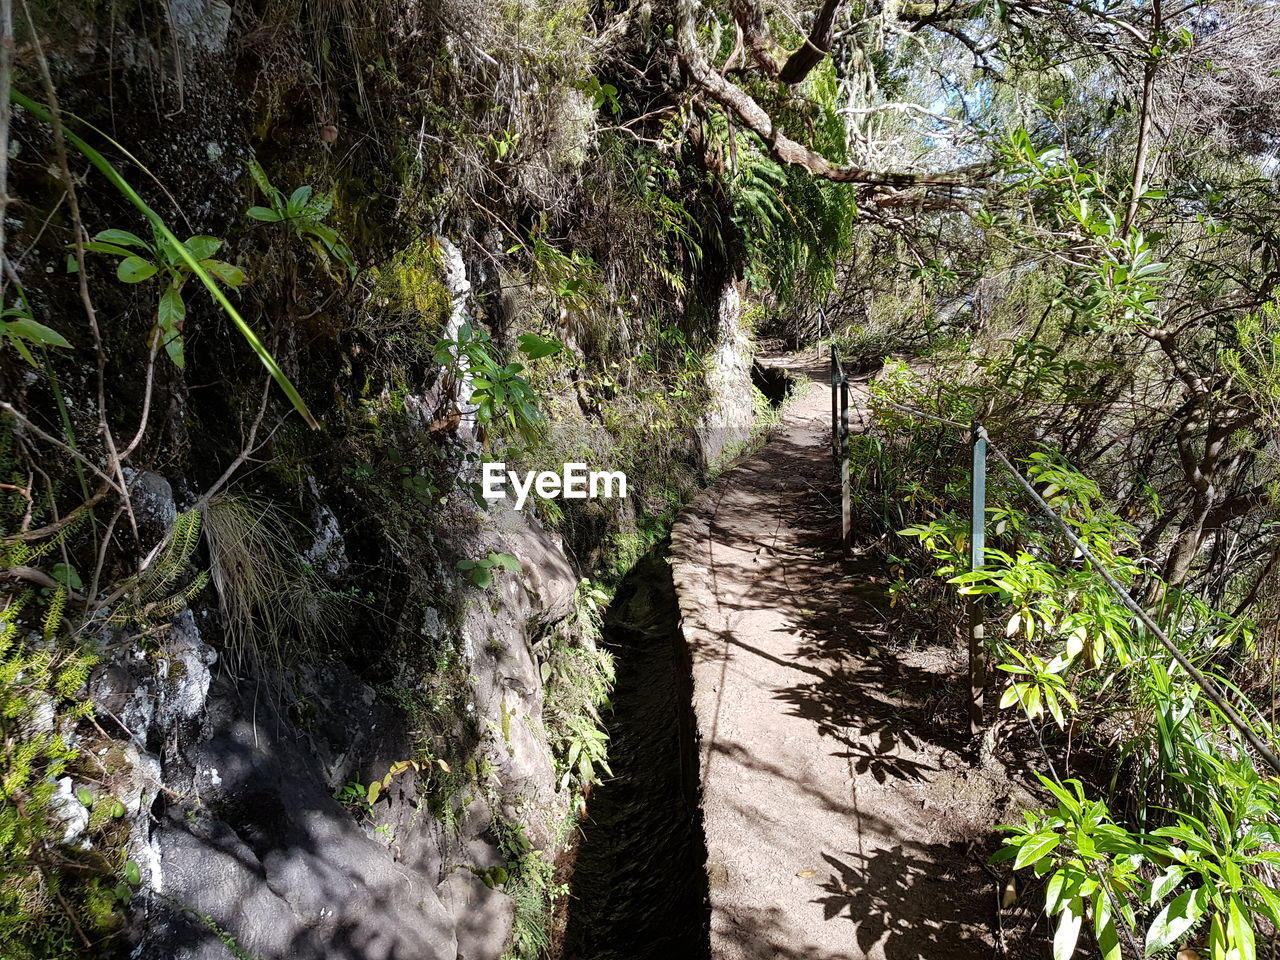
729	421
237	828
246	783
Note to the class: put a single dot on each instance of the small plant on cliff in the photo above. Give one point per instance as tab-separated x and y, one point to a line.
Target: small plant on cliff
577	675
302	213
480	572
211	283
496	388
142	260
53	895
20	328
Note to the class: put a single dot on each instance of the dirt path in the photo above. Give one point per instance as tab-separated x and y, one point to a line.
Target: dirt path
841	819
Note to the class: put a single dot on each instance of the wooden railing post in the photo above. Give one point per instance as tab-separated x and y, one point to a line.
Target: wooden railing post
977	559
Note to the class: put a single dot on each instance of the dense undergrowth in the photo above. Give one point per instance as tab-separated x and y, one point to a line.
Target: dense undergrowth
1162	822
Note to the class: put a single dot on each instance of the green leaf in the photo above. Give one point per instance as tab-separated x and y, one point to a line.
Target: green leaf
264	214
1104	926
85	797
1068	932
481	577
29	329
1240	931
66	575
1164	884
117	810
374	791
172	311
535	347
228	273
298	199
506	561
260	177
203	247
319	206
131	873
1036	848
1178	916
111	248
135	270
122	238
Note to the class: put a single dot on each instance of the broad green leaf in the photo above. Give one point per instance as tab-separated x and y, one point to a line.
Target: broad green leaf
1035	848
228	273
203	247
66	575
131	873
535	347
1178	916
298	199
122	238
1068	931
374	791
111	248
135	270
1104	927
172	310
1164	884
264	214
29	329
1240	931
85	797
319	206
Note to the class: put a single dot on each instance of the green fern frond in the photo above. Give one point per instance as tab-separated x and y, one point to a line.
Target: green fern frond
167	608
169	566
35	553
53	615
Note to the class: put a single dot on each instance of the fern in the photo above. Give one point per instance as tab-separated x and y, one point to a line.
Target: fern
32	554
172	562
54	614
153	597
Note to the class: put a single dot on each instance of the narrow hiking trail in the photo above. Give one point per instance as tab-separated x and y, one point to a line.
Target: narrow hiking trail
842	817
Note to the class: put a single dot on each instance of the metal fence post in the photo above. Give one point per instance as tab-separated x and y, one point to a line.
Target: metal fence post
835	408
977	559
846	506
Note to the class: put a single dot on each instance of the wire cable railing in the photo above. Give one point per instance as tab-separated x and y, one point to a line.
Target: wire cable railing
981	446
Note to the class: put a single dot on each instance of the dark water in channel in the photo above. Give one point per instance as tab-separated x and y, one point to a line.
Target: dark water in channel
639	887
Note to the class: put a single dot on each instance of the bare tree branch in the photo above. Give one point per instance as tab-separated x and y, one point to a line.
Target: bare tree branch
786	150
816	46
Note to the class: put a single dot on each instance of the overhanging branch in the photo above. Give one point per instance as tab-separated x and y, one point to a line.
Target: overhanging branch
815	47
791	152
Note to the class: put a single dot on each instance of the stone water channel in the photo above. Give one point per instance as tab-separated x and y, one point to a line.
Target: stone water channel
639	886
